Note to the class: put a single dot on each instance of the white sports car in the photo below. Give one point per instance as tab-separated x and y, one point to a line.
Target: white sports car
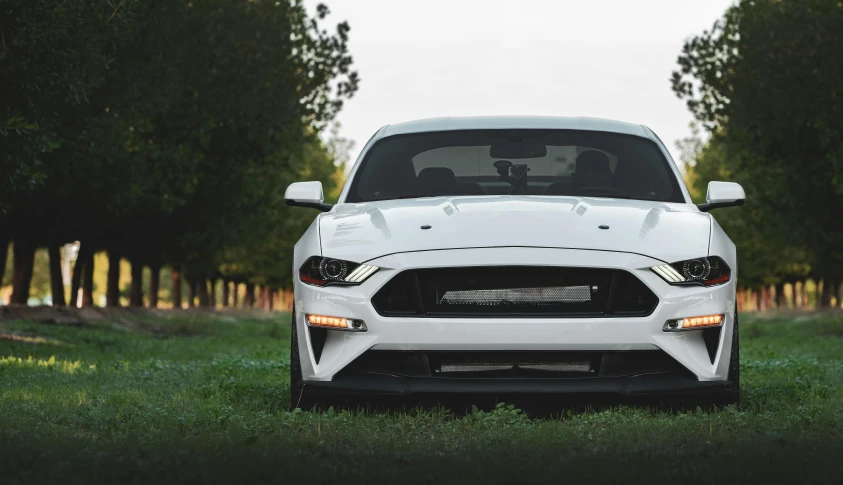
509	255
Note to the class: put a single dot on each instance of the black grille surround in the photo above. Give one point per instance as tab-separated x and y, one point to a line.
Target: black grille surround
514	291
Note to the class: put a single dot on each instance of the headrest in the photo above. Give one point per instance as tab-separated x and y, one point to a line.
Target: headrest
437	180
592	169
593	161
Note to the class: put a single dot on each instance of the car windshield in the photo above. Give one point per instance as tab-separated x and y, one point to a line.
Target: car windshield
515	162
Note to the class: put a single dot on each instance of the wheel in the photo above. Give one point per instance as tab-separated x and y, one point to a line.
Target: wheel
297	397
732	395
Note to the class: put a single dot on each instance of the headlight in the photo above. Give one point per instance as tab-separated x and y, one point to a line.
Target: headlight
321	271
708	271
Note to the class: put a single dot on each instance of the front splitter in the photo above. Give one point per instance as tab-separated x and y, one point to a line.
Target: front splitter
623	386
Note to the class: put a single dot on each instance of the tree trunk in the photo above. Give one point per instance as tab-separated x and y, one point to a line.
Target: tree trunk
757	295
261	298
805	300
88	281
797	294
225	293
56	280
136	291
781	301
202	293
212	295
176	287
78	271
112	290
249	298
24	258
4	253
154	280
234	294
271	298
191	293
825	300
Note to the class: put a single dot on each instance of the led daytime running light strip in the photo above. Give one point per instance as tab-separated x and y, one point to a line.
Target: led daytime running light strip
667	272
693	323
338	323
361	273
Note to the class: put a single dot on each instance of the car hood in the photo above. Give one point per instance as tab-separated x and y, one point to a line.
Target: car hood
666	231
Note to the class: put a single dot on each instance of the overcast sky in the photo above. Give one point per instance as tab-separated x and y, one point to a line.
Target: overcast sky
602	58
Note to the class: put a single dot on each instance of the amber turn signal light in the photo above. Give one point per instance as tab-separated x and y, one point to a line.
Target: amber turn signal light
335	323
693	323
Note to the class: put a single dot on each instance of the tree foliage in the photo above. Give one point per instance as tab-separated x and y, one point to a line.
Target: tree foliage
165	132
766	82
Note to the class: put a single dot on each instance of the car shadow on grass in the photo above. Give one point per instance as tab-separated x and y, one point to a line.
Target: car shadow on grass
540	407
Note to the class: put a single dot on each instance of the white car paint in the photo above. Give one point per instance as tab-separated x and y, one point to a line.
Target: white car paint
665	231
515	230
724	192
614	333
308	192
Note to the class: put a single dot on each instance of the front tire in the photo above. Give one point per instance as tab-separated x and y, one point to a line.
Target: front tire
734	395
730	396
297	397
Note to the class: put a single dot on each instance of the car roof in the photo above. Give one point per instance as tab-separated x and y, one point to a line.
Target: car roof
514	122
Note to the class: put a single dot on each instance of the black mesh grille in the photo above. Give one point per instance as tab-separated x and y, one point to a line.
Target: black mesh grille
519	296
493	291
515	365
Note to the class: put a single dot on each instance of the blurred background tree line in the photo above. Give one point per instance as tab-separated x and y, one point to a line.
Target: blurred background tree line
766	85
158	137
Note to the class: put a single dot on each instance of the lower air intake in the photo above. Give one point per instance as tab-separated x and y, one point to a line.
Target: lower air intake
513	364
562	367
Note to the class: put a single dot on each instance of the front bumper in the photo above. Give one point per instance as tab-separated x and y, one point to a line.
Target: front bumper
514	334
623	386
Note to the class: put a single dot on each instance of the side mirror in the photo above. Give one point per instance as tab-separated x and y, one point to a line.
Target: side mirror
306	194
723	194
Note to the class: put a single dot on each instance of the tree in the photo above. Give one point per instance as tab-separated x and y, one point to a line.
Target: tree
765	258
766	81
155	131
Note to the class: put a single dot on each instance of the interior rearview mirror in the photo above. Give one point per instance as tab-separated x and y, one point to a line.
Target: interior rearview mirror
517	150
723	194
306	194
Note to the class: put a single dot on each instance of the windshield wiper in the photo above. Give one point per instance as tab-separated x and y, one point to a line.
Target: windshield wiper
417	196
606	195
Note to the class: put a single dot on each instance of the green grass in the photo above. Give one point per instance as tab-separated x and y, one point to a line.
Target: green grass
186	399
